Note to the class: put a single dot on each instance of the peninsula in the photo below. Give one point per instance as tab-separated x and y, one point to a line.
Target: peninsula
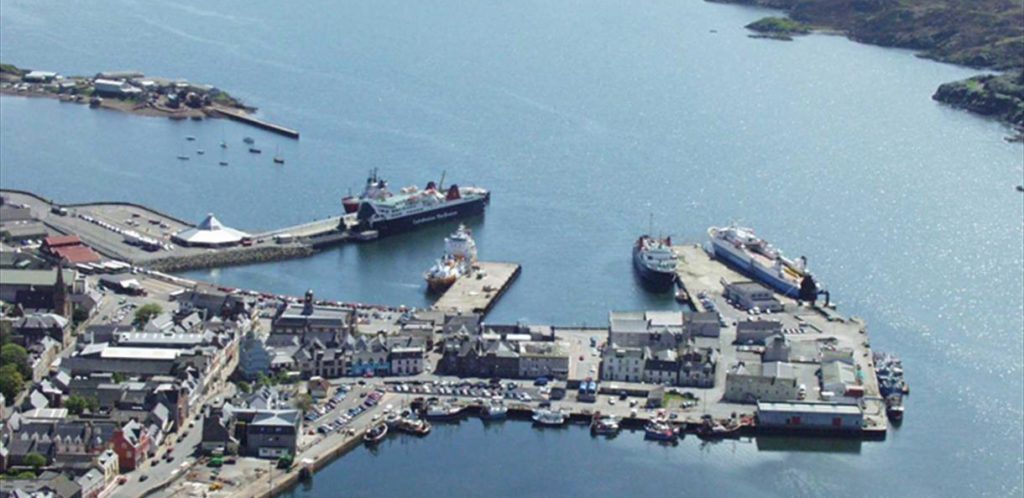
126	91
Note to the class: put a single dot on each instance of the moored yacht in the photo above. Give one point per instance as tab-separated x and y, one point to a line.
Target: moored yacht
549	417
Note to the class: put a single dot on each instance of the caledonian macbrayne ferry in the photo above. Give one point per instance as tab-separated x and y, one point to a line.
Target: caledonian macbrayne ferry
389	213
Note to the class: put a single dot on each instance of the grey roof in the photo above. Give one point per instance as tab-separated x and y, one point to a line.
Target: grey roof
41	321
34	277
283	418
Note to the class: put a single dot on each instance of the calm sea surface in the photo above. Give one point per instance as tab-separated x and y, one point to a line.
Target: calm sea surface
584	118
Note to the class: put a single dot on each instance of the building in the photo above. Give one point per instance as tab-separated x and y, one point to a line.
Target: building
479	357
318	388
697	367
622	364
662	367
369	356
753	383
40	76
777	348
22	231
103	357
114	88
267	433
637	329
310	321
14	282
840	379
70	249
254	358
33	328
702	324
809	416
543	359
132	445
49	484
757	331
406	360
209	233
752	295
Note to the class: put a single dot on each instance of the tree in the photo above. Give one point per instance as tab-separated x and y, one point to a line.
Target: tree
11	382
244	386
118	377
92	404
16	356
35	460
146	312
79	315
303	402
76	404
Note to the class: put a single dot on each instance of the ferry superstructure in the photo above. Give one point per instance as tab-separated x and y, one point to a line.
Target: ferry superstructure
743	249
389	213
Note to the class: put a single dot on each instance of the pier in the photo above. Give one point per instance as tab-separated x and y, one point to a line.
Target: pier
478	291
259	123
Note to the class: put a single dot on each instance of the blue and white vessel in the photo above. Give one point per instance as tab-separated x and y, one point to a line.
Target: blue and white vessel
389	213
743	249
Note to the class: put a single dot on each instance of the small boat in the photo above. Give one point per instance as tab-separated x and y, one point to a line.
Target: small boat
682	296
660	431
190	138
413	426
1020	188
278	160
375	434
894	407
392	419
223	163
547	417
249	140
605	425
183	157
200	152
495	409
223	144
711	429
254	150
442	411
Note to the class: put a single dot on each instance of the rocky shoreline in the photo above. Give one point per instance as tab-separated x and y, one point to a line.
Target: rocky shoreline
984	34
229	257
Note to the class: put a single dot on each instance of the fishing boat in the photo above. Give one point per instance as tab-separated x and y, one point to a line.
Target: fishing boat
277	156
200	152
710	429
412	426
548	417
894	407
249	140
660	431
655	262
223	144
605	425
494	409
441	411
183	157
741	248
190	138
458	260
254	150
223	163
375	434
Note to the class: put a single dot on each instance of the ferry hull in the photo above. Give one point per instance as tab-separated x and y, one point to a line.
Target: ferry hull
758	272
413	221
653	280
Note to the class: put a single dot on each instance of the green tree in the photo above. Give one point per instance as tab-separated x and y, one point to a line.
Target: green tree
303	402
15	355
76	404
244	386
11	382
79	315
92	404
118	377
35	460
146	312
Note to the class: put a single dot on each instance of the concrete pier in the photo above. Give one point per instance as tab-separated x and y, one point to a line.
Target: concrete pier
245	118
477	292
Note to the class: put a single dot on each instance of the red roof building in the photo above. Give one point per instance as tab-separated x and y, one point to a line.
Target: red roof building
71	249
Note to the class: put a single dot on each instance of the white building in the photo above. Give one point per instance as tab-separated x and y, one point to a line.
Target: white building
754	383
622	364
114	88
209	233
800	416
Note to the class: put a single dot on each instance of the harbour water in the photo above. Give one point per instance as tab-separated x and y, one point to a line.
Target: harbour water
582	118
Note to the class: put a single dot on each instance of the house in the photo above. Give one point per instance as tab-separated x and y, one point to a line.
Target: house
318	360
466	356
131	442
624	364
543	359
254	358
91	483
757	331
370	356
218	432
752	295
753	383
266	433
702	324
318	388
406	360
33	328
109	464
636	329
661	367
49	484
697	366
467	324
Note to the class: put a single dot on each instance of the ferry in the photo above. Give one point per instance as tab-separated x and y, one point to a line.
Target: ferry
494	409
458	260
743	249
655	262
375	188
605	425
660	431
375	434
549	417
390	213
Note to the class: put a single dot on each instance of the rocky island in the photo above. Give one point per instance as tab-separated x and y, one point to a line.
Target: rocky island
976	33
127	91
778	28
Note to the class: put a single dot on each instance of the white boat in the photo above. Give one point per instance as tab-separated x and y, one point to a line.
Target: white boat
494	409
604	425
548	417
458	260
441	411
742	248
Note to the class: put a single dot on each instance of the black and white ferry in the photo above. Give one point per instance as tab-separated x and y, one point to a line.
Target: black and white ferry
389	213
